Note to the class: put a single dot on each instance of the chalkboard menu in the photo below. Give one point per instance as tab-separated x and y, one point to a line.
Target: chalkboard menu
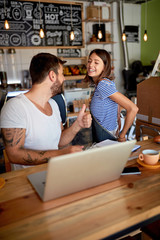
25	19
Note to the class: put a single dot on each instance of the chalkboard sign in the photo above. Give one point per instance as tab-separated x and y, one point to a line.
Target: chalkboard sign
68	52
25	19
132	33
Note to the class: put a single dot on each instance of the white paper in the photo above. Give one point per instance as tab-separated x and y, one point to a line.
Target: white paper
110	142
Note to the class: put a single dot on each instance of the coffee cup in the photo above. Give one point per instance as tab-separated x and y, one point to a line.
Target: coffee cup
149	156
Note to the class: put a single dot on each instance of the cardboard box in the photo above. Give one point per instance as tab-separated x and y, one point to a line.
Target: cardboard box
93	12
148	100
106	12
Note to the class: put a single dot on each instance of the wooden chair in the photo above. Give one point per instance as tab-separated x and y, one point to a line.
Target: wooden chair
151	231
7	163
153	132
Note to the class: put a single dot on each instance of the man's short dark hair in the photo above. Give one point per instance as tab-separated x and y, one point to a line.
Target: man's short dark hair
41	64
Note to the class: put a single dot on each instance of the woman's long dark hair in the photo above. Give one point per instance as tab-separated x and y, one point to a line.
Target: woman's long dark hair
106	58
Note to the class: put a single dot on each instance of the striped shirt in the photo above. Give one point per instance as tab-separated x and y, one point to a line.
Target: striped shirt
102	107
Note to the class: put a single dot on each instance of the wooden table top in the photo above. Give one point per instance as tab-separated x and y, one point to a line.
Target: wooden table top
95	213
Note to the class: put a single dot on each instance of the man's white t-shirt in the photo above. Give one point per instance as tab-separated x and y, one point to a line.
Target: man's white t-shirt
42	132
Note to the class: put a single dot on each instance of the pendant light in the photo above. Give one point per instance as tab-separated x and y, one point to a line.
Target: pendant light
6	24
100	35
145	37
124	38
72	36
41	32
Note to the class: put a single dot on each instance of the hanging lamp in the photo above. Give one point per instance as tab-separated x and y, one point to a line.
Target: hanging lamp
6	24
72	36
124	38
145	37
100	35
41	32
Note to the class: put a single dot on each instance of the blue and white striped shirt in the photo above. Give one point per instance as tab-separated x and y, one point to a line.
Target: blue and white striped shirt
102	107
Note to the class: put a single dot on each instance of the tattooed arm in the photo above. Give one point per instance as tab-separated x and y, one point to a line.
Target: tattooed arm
14	139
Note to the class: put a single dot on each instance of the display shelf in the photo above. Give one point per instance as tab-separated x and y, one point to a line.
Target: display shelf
74	77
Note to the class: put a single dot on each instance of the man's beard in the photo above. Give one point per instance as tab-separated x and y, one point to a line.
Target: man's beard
56	88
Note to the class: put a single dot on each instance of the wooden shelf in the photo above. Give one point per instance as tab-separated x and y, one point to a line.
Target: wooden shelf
111	42
74	58
74	77
97	20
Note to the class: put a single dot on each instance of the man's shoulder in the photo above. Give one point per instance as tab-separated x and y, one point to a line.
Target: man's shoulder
19	97
14	103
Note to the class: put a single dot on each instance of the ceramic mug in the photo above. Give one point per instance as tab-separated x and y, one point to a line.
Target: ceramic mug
149	156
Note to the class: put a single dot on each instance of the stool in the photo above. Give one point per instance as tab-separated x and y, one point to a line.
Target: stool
152	231
128	238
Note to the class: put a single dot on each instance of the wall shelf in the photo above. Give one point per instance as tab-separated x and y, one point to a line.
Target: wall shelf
97	20
111	42
73	58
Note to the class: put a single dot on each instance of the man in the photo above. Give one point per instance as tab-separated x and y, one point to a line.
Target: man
30	123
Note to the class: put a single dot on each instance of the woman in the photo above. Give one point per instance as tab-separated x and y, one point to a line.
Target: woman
106	100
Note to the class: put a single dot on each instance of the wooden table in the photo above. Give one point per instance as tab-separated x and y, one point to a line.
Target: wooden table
95	213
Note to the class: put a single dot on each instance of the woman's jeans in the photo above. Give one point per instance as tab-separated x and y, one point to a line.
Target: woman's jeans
99	133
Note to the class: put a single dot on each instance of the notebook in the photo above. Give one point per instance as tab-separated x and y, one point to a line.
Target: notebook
75	172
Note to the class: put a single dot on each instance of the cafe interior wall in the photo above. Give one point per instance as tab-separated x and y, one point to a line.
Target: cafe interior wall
132	17
151	48
16	63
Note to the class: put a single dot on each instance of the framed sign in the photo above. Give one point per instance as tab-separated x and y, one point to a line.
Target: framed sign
26	17
132	33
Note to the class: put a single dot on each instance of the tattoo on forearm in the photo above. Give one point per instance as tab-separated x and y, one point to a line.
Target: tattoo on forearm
15	137
30	161
42	153
12	136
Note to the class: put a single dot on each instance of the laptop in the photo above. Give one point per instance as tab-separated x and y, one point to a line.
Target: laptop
75	172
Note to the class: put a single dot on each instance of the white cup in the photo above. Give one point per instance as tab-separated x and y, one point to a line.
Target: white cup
149	156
